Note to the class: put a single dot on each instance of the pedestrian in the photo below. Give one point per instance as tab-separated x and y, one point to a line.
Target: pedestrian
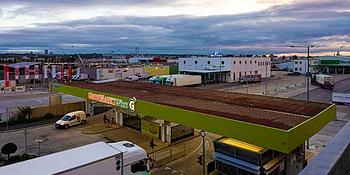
104	119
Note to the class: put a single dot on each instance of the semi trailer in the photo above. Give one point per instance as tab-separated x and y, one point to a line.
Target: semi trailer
97	158
183	80
324	81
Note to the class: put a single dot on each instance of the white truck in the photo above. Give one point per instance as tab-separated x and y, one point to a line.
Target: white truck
80	77
183	80
97	158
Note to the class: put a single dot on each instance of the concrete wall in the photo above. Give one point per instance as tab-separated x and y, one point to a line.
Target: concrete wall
334	159
58	109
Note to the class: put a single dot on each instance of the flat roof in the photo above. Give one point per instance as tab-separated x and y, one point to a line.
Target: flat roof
274	112
205	71
62	161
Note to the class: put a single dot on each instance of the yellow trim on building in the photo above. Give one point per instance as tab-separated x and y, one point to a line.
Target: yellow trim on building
243	145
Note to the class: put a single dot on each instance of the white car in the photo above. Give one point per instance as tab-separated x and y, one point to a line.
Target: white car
71	119
132	78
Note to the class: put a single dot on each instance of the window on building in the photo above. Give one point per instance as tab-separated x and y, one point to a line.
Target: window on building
184	62
255	61
299	62
296	69
295	62
250	62
222	62
300	69
245	62
234	62
195	62
208	62
240	62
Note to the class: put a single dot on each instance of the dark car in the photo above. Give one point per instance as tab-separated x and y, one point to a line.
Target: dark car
294	73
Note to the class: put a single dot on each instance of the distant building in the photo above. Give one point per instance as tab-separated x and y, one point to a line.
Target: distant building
225	69
334	64
46	52
300	65
324	64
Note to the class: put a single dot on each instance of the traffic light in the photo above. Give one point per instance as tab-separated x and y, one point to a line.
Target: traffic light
200	159
118	163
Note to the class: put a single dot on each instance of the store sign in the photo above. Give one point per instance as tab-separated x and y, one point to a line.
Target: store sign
341	98
113	101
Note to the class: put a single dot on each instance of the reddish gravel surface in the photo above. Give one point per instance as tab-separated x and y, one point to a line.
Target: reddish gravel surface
269	111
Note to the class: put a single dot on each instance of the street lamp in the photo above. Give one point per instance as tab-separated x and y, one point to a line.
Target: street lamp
307	80
308	70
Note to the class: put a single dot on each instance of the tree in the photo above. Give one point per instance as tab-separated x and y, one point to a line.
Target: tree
24	112
8	149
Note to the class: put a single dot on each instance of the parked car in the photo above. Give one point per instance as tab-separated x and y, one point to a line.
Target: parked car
71	119
132	78
293	73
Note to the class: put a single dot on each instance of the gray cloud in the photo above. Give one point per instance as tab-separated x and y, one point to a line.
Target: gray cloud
272	30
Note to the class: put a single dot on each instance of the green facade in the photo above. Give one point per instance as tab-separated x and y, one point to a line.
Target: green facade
272	138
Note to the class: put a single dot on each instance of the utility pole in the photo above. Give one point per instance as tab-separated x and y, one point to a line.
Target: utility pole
202	134
308	74
266	78
26	140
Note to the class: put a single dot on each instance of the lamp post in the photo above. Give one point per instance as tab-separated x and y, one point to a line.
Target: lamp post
308	74
307	71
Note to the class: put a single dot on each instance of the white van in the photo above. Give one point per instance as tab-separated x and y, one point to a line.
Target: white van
71	119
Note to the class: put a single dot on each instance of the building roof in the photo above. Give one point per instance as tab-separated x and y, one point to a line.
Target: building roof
205	71
23	64
268	111
62	161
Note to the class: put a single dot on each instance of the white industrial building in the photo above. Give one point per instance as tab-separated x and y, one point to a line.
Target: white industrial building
225	69
300	65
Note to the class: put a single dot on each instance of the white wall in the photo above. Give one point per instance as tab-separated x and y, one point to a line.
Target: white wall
300	65
235	65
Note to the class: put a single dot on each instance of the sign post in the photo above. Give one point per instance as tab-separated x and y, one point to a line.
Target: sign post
203	134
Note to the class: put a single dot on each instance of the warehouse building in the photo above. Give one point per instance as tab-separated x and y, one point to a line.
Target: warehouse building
334	64
225	69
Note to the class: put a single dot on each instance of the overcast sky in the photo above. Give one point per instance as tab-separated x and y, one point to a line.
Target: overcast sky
174	26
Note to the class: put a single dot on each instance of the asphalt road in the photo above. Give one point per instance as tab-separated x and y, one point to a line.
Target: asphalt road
54	140
325	95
